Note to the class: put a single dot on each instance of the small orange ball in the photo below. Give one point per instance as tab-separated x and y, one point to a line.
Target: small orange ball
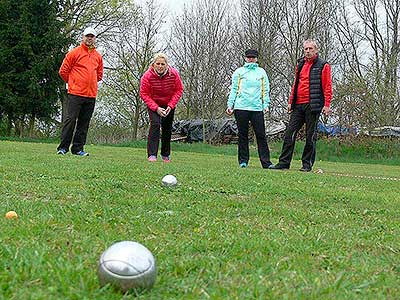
11	215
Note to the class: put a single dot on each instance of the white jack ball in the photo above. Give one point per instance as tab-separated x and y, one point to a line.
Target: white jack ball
127	265
169	180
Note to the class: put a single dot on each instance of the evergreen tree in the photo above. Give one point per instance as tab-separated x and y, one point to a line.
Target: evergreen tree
31	46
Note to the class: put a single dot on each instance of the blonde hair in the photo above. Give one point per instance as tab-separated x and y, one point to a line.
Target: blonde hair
311	41
159	55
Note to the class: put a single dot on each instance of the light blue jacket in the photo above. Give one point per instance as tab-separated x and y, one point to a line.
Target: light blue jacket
250	88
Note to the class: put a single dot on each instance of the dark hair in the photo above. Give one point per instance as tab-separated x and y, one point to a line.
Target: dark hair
251	53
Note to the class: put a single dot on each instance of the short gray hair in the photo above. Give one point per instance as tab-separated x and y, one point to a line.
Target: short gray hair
311	41
159	55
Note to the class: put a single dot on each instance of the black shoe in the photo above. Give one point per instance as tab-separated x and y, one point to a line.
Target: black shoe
305	169
62	151
267	166
81	153
278	167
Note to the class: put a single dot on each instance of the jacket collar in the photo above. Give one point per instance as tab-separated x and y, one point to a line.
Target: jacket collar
251	65
312	59
167	71
83	45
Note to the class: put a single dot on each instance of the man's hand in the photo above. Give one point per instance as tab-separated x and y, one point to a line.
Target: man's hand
289	108
229	111
266	110
161	111
326	111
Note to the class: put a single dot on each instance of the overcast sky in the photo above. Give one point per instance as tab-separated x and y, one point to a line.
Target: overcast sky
175	6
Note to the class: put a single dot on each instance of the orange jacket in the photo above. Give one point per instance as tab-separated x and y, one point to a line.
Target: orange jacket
82	70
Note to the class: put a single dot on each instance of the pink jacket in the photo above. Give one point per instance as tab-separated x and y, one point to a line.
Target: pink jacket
156	90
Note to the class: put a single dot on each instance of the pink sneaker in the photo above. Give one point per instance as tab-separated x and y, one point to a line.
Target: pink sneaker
152	158
166	159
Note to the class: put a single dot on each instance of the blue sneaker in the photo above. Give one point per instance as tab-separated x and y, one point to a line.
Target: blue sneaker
62	151
81	153
243	165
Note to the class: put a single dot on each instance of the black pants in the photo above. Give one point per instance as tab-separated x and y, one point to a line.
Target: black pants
243	117
80	111
157	122
301	114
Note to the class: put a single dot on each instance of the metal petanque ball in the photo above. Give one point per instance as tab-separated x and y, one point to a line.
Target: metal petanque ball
127	265
169	180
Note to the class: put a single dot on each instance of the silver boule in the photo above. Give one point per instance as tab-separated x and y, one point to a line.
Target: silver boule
169	180
127	265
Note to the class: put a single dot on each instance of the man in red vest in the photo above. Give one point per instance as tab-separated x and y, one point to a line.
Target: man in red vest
311	95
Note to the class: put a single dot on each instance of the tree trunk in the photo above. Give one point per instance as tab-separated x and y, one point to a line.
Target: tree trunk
31	125
135	123
9	126
19	127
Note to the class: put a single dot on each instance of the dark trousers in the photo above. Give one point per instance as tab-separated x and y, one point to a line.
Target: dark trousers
256	118
301	114
80	111
157	122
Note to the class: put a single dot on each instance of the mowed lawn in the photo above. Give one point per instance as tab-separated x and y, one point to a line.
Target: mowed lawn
223	233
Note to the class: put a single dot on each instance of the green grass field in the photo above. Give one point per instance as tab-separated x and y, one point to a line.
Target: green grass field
223	233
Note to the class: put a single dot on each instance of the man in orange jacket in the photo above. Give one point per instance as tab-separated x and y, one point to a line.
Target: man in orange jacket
81	69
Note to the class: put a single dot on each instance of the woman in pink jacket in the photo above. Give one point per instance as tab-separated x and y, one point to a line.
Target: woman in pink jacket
160	88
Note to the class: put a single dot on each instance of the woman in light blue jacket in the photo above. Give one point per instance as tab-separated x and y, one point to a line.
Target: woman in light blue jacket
248	100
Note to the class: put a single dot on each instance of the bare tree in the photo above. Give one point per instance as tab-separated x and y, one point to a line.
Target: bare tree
78	14
301	20
259	27
368	91
201	46
128	52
